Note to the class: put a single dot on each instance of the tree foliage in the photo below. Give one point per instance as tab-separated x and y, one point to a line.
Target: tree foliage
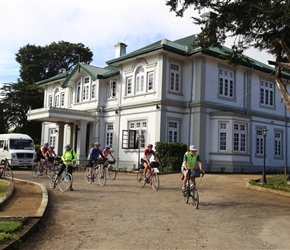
36	63
261	24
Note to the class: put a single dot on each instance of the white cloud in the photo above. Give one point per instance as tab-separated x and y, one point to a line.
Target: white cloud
98	24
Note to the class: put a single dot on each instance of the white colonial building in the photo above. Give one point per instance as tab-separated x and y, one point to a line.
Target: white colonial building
168	92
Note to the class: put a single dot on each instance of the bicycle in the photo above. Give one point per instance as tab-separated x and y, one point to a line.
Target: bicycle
64	181
6	171
111	170
46	167
192	191
152	179
98	172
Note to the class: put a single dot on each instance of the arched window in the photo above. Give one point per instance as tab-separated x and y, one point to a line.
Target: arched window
139	83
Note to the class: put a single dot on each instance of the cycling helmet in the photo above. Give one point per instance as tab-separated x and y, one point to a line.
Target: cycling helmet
67	147
52	146
97	143
150	146
108	146
46	144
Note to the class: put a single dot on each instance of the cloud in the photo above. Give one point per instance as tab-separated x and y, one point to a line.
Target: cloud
98	24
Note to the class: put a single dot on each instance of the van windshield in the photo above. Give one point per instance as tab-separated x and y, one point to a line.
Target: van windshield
21	144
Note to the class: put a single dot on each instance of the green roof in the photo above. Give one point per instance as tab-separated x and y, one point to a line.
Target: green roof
181	46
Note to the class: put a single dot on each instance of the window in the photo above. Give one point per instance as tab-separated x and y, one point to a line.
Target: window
50	100
173	131
150	81
239	137
57	98
93	92
223	136
112	90
174	78
109	134
78	92
140	80
259	142
52	136
226	83
62	99
267	94
129	89
86	88
135	134
278	144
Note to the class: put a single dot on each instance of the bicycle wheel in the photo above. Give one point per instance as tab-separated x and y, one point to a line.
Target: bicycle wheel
8	173
195	198
34	169
112	173
49	171
155	181
140	179
65	182
102	177
52	185
87	177
186	195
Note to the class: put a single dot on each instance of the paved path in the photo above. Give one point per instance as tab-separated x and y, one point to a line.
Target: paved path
123	216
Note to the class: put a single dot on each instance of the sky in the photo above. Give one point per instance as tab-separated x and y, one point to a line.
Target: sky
98	24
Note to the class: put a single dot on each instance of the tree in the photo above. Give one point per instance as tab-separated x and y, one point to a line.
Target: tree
261	24
38	63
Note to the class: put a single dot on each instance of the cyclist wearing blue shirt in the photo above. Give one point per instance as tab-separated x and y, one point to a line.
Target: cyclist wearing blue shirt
95	153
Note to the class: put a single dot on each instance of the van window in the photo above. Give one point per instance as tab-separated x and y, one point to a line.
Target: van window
1	143
21	144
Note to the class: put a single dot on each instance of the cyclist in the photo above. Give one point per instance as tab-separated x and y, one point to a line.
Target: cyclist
95	153
51	154
69	157
41	154
190	158
106	152
145	160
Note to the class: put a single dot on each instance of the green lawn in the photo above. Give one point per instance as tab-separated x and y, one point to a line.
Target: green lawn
4	186
276	182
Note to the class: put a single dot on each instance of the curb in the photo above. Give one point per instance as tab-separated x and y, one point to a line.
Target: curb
8	193
267	190
32	221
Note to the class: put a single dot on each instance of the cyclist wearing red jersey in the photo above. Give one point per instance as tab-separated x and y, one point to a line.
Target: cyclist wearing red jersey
145	160
41	154
106	152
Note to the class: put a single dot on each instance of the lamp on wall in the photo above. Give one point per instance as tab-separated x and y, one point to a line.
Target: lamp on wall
157	107
116	112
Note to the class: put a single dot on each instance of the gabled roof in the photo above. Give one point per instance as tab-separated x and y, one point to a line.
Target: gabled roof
93	72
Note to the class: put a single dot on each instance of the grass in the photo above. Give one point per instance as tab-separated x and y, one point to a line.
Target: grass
276	182
8	230
4	186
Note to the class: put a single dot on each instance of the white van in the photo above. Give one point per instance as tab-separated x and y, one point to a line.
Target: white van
18	149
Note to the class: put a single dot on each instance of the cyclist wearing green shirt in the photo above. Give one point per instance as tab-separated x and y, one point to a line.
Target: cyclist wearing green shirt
190	159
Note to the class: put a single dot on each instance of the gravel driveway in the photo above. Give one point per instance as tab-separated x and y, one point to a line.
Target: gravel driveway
121	215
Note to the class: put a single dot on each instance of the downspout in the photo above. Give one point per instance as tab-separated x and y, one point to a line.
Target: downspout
188	104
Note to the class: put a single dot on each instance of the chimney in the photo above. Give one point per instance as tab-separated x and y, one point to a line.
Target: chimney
120	49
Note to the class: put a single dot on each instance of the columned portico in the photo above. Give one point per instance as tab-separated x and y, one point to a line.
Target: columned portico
81	140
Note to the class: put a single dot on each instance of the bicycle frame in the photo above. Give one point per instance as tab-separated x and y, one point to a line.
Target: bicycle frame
191	192
6	171
64	181
153	178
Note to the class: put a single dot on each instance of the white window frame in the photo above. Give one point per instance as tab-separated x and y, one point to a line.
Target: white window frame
139	80
150	81
223	135
62	99
173	131
278	149
57	98
112	90
259	142
129	85
86	89
240	137
175	78
266	93
50	100
141	126
78	91
52	136
226	83
93	91
109	134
